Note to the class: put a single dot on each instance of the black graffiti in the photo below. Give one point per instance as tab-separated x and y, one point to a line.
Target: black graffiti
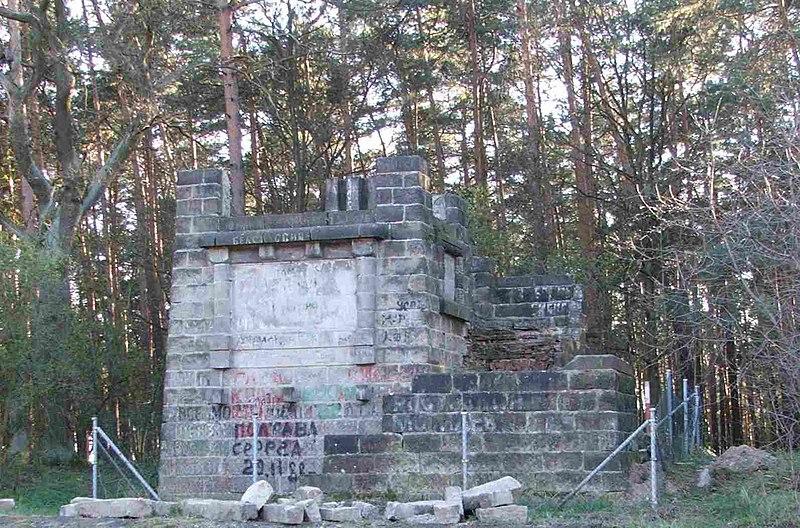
291	470
279	448
279	429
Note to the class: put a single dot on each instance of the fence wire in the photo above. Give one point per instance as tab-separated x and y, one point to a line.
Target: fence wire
114	480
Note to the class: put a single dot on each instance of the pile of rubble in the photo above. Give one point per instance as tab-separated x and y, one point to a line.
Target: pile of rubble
492	502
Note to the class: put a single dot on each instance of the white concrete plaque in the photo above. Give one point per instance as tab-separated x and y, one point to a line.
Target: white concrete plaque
298	304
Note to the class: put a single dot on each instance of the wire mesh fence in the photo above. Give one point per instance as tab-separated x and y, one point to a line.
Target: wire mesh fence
670	432
114	475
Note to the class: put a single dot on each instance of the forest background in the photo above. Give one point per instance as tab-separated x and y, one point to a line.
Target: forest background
649	147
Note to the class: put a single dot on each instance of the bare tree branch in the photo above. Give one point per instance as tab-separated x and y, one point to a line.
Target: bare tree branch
104	174
19	16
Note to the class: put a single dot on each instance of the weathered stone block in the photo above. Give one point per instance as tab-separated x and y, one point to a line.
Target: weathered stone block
117	508
447	512
219	510
503	515
308	492
283	513
310	510
341	514
258	493
341	444
368	511
398	511
7	504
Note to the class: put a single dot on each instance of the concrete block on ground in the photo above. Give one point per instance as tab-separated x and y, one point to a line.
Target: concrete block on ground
310	510
368	510
308	492
7	504
283	513
341	514
258	493
495	493
490	499
503	515
135	508
452	494
68	510
447	512
219	510
398	511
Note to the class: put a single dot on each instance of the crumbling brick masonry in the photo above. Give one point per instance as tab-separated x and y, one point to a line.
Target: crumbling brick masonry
358	335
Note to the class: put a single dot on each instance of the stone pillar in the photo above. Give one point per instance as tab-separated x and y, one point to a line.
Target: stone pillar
190	382
406	297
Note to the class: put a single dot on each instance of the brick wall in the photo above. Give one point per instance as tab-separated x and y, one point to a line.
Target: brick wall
523	322
546	428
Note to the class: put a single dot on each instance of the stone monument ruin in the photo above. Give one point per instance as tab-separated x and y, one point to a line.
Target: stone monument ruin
358	335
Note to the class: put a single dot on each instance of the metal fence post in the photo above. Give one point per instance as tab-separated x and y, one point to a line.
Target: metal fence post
669	412
686	416
463	450
653	458
94	457
255	447
697	415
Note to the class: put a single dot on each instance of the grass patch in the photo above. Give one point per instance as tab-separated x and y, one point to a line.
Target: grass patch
42	490
765	499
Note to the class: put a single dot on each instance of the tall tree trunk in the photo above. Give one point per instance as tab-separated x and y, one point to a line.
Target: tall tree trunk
534	166
27	204
347	116
435	114
471	24
580	137
230	87
255	161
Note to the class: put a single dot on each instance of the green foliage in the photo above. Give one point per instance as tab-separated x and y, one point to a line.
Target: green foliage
61	365
490	240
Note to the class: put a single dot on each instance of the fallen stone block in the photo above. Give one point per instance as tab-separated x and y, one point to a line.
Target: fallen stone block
398	511
490	499
134	508
310	510
68	510
452	494
258	493
7	504
285	500
283	513
80	499
503	515
341	514
494	493
308	492
368	511
447	512
219	510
